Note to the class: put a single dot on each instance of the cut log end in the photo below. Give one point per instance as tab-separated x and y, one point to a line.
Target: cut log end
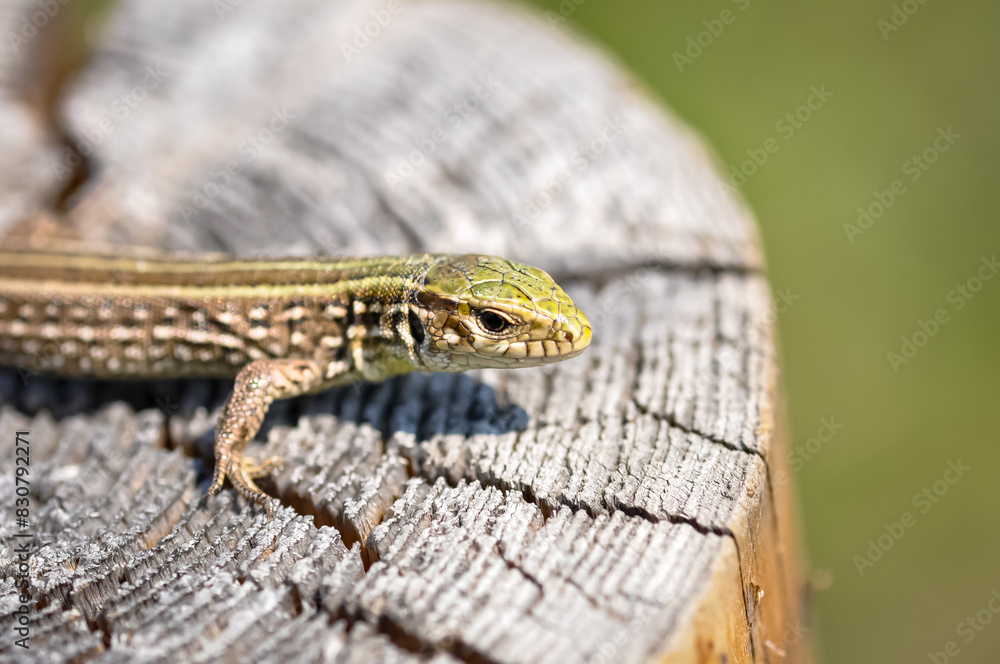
629	505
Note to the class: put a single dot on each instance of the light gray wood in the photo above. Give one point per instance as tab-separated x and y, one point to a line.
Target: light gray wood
580	512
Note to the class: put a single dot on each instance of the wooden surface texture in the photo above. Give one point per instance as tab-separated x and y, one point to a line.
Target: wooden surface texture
619	507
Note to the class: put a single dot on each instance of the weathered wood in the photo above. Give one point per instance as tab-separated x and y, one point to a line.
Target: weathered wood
616	507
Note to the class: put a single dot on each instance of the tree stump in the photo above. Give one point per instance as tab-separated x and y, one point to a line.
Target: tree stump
626	506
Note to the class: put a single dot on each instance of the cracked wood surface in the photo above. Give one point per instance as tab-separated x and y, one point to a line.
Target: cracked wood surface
616	507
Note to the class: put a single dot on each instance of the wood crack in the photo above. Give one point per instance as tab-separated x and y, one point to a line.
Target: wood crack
405	640
547	506
511	565
670	420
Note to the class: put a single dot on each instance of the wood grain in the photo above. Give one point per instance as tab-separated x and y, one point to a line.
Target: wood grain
616	507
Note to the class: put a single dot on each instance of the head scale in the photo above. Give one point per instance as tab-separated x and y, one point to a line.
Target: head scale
477	311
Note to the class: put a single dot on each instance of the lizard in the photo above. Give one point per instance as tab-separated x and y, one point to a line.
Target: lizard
279	327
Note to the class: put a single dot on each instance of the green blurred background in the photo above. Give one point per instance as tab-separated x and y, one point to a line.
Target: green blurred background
891	92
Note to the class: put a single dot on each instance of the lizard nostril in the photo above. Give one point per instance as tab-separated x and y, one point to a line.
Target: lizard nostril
568	336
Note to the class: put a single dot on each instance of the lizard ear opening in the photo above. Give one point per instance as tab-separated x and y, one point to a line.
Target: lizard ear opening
416	327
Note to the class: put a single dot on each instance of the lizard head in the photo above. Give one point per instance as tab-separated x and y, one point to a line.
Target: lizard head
476	311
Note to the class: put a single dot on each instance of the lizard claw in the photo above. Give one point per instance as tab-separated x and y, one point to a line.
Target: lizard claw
254	470
241	473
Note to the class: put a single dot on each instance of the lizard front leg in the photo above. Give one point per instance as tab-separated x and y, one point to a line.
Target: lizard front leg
257	385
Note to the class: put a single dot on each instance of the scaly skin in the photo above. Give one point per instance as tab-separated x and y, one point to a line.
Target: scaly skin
281	327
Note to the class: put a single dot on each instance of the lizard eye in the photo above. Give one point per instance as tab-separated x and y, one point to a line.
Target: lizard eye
493	321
